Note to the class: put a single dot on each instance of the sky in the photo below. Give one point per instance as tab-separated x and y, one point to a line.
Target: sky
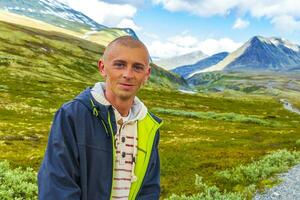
176	27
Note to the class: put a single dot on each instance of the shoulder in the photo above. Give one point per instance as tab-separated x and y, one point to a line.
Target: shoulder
157	119
73	108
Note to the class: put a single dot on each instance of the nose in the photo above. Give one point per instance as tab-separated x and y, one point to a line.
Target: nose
128	73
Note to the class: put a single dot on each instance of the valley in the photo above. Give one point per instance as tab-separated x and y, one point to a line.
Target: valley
214	122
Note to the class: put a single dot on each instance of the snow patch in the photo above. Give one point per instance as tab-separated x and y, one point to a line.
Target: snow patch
187	91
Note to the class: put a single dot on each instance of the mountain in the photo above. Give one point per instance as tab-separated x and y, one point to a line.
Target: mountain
261	54
177	61
51	58
52	12
186	70
59	15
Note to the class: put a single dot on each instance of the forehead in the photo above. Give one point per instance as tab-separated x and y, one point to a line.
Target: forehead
128	54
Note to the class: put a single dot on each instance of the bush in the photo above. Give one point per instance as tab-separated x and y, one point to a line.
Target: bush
207	193
298	143
244	178
232	117
16	183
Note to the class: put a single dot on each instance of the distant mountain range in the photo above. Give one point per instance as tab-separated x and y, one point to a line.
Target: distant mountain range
60	15
33	12
177	61
257	54
52	12
186	70
260	54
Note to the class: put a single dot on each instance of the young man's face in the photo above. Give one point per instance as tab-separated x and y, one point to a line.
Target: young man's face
125	70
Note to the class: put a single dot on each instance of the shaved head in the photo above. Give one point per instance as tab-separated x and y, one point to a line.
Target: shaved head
126	41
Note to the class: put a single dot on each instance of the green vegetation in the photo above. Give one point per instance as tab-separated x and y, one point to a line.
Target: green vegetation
298	143
244	179
207	193
280	85
16	183
39	71
191	145
231	117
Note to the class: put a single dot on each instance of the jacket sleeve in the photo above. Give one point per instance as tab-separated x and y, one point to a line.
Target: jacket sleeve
58	176
151	187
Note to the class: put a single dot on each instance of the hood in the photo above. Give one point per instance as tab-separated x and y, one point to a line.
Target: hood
137	112
101	111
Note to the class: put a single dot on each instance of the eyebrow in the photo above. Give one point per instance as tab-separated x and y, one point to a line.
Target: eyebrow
135	63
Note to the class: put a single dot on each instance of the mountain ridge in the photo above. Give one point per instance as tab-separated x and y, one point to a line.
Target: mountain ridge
177	61
186	70
260	53
56	14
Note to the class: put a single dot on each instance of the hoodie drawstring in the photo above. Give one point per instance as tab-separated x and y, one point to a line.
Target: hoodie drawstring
96	113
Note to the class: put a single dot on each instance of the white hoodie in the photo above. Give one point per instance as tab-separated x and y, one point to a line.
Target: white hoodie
126	142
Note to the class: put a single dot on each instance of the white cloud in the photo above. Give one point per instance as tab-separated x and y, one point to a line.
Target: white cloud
152	36
286	23
135	3
212	46
240	24
128	23
202	8
182	44
102	12
184	41
274	10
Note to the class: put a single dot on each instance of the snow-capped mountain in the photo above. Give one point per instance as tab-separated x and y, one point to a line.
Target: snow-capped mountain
261	53
186	70
52	12
177	61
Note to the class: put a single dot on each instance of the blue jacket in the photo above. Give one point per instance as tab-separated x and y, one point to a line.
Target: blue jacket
78	162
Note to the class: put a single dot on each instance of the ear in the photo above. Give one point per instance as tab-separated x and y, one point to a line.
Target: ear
148	73
101	68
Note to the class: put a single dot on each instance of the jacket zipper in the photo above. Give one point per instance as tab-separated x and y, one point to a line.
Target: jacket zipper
113	154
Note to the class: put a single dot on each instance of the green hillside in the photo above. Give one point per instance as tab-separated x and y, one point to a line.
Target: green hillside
204	133
39	71
284	85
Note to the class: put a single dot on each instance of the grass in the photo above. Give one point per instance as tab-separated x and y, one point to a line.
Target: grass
193	145
280	85
244	179
231	117
40	70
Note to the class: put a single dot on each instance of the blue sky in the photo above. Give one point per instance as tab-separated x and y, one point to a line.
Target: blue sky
175	27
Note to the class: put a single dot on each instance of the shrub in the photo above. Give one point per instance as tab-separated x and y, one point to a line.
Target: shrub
208	193
244	178
232	117
298	143
16	183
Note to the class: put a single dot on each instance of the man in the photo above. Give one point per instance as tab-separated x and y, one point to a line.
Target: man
103	144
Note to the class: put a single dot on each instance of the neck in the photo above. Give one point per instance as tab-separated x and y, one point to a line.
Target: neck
122	105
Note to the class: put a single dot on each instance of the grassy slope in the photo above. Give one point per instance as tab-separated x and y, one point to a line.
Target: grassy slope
102	37
30	22
190	145
41	70
279	85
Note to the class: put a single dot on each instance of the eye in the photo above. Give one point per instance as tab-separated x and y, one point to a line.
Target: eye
138	68
119	65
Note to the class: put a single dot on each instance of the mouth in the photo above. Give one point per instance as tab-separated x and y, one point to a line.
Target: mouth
126	86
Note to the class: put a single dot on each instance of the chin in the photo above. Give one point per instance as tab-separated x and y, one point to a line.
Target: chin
126	95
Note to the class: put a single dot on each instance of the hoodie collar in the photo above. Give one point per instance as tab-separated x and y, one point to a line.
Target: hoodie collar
137	111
